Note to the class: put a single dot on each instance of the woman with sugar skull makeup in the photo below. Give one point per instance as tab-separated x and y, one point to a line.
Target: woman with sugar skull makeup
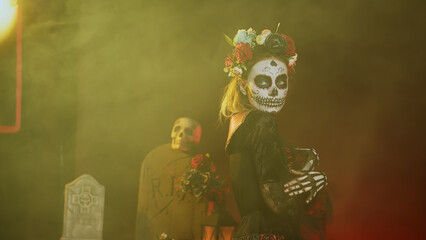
277	193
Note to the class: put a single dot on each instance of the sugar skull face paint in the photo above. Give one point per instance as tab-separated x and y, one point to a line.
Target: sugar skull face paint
268	84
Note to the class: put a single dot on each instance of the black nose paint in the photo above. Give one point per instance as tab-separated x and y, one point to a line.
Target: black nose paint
273	63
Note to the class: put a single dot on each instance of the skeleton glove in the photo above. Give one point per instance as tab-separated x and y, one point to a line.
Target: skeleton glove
311	182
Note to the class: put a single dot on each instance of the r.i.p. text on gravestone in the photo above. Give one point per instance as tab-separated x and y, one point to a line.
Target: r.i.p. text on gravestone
84	209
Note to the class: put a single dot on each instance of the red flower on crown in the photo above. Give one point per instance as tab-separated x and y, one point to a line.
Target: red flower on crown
228	61
291	47
243	52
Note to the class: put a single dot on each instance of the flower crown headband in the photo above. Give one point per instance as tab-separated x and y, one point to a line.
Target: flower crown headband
245	41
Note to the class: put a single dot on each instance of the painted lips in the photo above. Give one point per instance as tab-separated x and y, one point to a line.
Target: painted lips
269	102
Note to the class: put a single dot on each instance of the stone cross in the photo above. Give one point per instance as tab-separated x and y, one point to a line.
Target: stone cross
84	209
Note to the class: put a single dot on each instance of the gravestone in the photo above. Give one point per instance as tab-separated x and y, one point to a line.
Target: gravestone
84	209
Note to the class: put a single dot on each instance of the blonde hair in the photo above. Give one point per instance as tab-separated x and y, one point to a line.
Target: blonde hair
233	100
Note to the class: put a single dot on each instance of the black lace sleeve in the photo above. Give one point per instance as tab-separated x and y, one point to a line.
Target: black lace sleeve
266	147
269	160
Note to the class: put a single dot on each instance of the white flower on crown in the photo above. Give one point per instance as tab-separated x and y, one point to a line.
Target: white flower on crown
237	71
251	32
260	39
292	61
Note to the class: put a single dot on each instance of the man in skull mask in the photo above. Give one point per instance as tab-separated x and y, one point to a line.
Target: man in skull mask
161	208
278	194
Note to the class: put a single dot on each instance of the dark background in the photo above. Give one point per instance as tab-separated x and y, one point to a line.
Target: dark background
103	82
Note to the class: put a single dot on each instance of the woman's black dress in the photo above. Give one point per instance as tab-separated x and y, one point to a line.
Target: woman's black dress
259	162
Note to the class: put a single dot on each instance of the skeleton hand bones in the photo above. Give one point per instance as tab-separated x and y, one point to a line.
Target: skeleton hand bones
311	182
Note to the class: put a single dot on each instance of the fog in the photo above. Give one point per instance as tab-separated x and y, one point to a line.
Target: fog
103	82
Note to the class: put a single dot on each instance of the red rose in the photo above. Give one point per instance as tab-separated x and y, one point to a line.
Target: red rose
243	52
197	161
291	47
228	61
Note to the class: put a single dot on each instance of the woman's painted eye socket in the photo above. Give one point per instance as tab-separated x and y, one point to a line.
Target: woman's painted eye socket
281	81
263	81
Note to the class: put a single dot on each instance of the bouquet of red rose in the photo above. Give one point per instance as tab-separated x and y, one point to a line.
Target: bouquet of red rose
202	181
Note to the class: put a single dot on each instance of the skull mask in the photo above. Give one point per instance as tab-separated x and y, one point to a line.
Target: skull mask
268	84
186	134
